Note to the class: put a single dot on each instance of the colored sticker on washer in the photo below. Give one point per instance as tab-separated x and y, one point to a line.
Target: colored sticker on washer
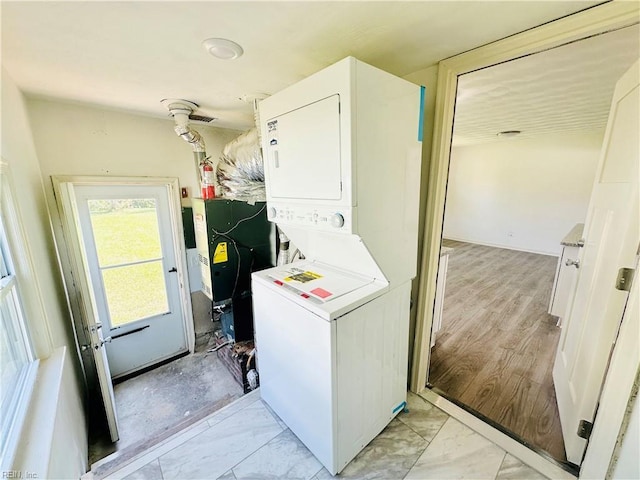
220	255
303	277
321	292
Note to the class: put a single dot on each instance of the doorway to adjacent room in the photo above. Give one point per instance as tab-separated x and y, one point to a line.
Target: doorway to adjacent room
495	350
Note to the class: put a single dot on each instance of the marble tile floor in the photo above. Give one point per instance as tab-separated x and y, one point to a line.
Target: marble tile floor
246	440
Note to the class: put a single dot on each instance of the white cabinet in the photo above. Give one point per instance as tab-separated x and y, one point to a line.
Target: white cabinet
566	273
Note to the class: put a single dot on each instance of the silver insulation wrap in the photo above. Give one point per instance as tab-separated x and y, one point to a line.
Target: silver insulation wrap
240	172
191	136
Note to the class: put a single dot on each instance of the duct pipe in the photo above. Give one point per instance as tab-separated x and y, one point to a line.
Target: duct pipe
283	254
182	128
180	111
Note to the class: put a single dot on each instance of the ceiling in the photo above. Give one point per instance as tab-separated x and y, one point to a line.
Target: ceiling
130	55
564	90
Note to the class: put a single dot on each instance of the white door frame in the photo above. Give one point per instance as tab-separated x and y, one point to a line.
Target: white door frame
594	21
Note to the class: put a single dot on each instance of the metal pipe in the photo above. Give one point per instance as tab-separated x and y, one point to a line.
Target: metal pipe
199	157
180	110
191	136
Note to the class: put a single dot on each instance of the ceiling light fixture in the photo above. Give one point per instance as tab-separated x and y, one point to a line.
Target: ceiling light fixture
509	133
223	48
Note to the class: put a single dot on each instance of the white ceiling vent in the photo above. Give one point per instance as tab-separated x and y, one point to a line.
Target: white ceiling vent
201	118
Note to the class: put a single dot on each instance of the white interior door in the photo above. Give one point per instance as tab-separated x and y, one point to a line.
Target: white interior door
127	236
611	242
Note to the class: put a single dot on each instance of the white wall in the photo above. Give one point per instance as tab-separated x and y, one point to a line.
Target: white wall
523	194
45	308
79	140
429	78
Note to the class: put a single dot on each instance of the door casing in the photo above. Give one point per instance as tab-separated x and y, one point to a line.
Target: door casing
593	21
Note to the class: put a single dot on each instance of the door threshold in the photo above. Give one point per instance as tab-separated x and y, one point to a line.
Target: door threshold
535	457
148	368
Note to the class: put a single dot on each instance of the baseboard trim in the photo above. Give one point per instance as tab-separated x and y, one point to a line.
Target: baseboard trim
506	247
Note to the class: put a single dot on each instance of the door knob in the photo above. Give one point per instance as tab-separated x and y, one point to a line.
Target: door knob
574	263
173	270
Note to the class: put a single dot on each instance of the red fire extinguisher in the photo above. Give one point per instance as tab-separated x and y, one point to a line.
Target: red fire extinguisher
208	189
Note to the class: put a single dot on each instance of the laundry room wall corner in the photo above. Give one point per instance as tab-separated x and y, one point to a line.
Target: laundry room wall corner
429	78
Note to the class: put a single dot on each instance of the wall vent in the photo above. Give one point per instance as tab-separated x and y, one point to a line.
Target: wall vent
201	118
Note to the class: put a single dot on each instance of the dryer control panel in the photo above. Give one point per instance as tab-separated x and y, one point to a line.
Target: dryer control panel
315	217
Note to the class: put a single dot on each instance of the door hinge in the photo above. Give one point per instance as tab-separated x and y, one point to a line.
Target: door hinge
625	277
584	429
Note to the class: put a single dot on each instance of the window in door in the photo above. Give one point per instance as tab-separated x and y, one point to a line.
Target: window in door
129	252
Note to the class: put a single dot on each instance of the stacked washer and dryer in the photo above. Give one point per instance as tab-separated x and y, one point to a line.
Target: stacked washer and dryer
342	153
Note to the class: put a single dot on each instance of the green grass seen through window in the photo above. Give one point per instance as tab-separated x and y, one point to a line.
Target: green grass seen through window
126	231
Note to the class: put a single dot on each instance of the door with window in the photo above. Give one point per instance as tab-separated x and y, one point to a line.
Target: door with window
128	241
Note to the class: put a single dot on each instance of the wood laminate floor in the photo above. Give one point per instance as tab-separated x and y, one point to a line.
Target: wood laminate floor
497	344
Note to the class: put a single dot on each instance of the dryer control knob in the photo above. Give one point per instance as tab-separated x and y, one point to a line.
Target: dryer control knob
272	212
337	220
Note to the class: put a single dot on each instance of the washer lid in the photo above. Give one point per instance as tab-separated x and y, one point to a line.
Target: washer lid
317	281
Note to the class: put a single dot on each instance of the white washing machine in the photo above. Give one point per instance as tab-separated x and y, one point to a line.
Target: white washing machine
342	153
